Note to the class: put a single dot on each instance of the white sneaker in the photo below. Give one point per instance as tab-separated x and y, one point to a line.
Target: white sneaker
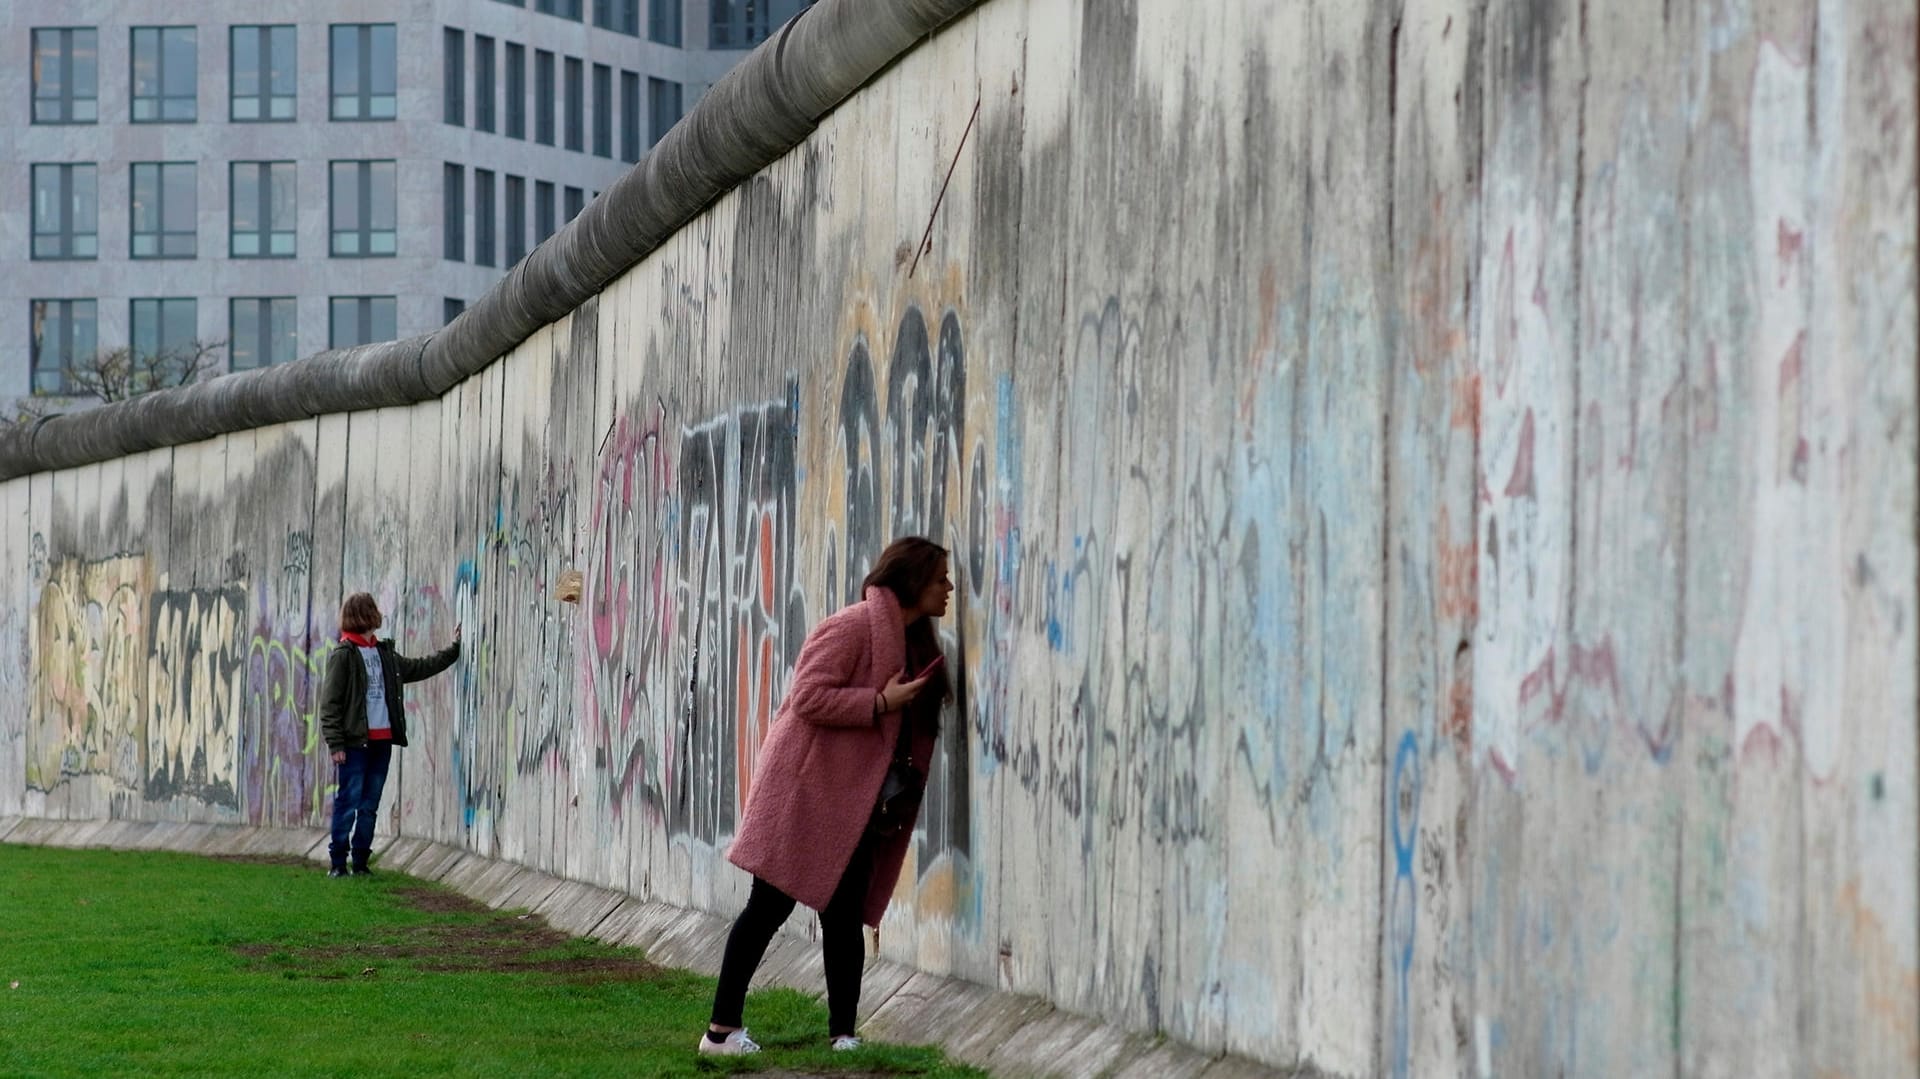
845	1042
737	1044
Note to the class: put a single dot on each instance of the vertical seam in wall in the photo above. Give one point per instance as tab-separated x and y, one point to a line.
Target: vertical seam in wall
1577	345
1390	387
1677	991
1477	67
1803	950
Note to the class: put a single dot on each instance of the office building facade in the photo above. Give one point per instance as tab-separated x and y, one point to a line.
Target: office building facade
253	183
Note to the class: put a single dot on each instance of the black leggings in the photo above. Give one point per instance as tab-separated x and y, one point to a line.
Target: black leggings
840	946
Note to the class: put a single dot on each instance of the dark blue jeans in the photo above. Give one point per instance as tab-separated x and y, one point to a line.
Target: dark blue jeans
362	777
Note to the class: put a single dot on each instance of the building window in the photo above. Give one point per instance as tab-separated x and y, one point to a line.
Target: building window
165	75
66	212
742	24
629	117
453	75
483	238
450	309
483	92
663	105
620	16
62	337
576	201
566	9
516	91
543	224
453	213
262	73
66	75
360	320
364	75
576	105
543	97
663	22
602	110
516	228
165	340
261	210
363	196
261	331
165	209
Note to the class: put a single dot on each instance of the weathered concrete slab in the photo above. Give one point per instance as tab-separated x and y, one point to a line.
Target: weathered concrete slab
525	890
7	825
1168	1060
882	979
928	1009
435	862
694	940
993	1020
578	908
398	855
638	924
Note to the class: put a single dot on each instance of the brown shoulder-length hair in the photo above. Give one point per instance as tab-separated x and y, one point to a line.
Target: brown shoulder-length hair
359	614
906	568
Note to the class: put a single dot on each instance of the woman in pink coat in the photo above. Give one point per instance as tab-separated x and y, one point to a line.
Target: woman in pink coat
865	701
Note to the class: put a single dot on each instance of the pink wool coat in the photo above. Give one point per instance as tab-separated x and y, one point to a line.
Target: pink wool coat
822	764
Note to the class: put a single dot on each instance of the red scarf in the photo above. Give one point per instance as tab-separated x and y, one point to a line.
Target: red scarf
358	639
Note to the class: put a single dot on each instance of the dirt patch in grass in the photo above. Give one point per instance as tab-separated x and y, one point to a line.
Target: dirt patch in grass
263	859
504	943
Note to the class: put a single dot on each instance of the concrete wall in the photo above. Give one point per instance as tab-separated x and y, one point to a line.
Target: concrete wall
1432	492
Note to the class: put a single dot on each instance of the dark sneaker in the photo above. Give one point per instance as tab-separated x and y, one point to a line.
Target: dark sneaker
337	871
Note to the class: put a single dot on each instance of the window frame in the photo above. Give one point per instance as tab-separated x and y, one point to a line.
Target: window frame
453	76
265	199
657	28
486	247
134	97
545	207
453	212
364	201
514	80
68	353
267	97
603	111
68	96
363	314
160	189
514	195
573	83
364	94
264	339
69	233
485	92
160	311
544	98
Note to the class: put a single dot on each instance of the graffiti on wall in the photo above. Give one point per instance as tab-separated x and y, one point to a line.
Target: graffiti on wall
89	673
195	686
695	613
902	474
740	613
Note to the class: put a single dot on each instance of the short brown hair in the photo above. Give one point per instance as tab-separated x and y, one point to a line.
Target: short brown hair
359	614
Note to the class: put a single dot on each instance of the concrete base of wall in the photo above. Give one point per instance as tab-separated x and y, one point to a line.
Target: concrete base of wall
1006	1034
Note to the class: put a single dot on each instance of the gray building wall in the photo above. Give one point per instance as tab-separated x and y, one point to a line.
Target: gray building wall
419	141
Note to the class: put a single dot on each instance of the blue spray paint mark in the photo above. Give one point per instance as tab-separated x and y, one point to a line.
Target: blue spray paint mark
1403	796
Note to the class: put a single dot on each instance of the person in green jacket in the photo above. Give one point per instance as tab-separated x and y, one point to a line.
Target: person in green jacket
363	716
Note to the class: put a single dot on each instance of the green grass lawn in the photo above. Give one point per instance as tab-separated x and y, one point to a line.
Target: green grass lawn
123	963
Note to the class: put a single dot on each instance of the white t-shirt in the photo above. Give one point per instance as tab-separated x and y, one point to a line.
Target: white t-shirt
376	690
